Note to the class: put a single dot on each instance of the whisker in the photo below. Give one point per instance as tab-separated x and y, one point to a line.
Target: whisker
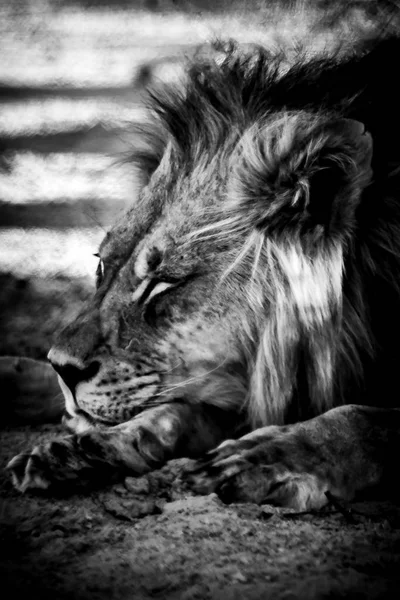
172	388
91	215
59	397
168	389
174	367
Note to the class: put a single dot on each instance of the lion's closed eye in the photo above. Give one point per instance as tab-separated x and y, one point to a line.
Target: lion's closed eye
160	287
149	288
148	295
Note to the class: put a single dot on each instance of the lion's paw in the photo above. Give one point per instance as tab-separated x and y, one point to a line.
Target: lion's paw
28	471
259	470
46	465
92	458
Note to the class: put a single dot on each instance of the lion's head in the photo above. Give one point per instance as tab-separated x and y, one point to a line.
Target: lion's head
226	276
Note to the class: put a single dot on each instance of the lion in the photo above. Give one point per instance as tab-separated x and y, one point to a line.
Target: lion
247	306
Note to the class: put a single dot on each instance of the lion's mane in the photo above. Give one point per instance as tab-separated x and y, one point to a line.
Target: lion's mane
320	237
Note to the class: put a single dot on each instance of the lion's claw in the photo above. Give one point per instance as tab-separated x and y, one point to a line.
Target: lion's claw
258	468
27	471
217	468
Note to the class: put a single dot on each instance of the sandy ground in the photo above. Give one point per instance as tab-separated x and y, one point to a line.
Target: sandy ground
147	537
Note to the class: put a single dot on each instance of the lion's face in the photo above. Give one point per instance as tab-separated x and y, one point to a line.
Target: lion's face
162	324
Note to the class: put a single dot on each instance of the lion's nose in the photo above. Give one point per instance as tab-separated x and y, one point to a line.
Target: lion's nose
72	374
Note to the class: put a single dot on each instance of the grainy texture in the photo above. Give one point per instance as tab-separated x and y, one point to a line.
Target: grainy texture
142	538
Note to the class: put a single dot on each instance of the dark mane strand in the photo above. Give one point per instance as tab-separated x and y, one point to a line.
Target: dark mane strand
222	97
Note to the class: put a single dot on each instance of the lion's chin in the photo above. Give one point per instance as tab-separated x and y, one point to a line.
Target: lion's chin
81	420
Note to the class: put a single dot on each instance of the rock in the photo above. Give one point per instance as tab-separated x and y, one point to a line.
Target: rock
137	485
120	489
30	391
239	577
127	509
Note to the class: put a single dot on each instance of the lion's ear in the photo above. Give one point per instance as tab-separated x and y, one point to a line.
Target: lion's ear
303	174
340	171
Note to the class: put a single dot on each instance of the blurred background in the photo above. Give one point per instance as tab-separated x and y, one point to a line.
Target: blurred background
73	75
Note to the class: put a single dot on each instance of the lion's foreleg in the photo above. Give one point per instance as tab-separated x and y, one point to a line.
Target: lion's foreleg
137	446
